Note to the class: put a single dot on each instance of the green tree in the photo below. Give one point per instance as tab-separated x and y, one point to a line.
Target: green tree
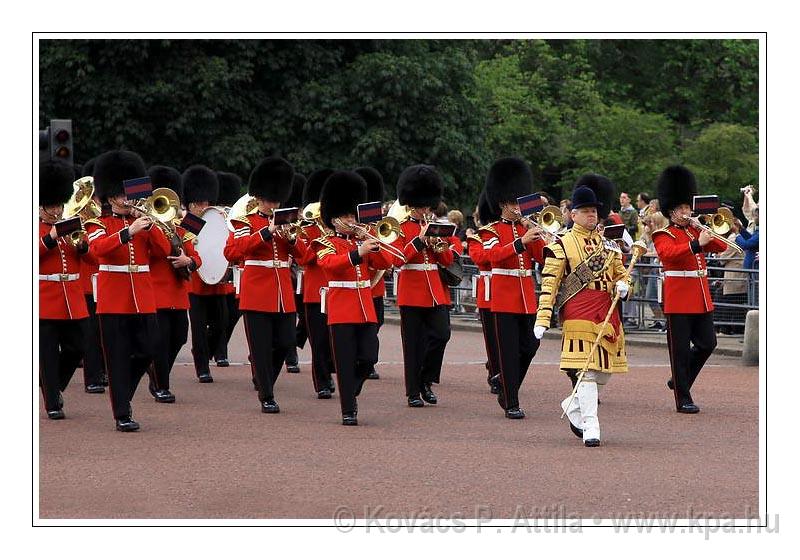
724	158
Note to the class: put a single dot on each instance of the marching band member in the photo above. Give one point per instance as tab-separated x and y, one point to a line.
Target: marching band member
487	217
207	307
375	192
421	295
681	248
590	270
300	333
126	310
265	295
230	189
312	281
62	309
346	262
512	248
170	273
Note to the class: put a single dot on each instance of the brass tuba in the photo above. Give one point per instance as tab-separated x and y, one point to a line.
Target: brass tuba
242	208
398	211
81	204
311	212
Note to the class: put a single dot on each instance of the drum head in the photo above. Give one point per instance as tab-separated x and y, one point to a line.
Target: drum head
210	245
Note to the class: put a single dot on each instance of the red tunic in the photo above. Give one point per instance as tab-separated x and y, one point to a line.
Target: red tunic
421	286
63	298
263	288
313	278
339	259
89	266
124	292
480	258
676	251
512	293
171	291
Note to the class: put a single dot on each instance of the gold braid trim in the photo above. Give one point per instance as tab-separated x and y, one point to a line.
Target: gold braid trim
94	221
490	228
552	273
664	230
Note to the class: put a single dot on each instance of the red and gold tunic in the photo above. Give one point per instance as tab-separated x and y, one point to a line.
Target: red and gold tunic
419	282
480	258
313	278
172	291
60	290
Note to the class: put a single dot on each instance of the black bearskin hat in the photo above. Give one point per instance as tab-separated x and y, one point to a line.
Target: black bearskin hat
341	195
676	186
55	183
272	180
200	184
603	190
77	169
508	179
486	212
375	190
114	167
298	184
420	186
88	168
162	176
313	188
230	188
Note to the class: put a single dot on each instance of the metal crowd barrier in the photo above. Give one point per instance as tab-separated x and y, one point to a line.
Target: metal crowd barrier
642	311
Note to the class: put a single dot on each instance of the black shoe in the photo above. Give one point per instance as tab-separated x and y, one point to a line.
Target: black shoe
575	430
349	420
688	408
331	385
373	375
515	413
592	443
293	368
428	395
104	380
270	407
494	389
670	385
95	388
223	362
127	424
205	378
324	393
164	396
415	402
55	414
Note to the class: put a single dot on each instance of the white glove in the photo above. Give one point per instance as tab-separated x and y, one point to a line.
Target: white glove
538	331
622	288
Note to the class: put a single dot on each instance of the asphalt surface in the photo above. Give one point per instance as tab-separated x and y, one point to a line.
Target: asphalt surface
213	454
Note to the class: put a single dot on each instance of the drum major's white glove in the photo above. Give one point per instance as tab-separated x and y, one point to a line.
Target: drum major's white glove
622	288
538	331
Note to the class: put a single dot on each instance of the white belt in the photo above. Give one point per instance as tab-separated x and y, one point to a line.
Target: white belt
59	277
686	273
352	284
268	264
420	266
512	272
125	267
487	276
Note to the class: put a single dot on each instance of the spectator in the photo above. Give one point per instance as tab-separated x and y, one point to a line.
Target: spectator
654	206
749	242
653	222
642	203
749	207
457	218
630	217
566	212
440	211
734	287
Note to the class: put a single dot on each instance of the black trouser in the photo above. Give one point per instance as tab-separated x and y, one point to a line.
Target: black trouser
490	341
173	331
691	340
269	336
93	368
322	365
355	351
60	350
516	348
378	303
425	332
232	315
301	331
129	345
208	315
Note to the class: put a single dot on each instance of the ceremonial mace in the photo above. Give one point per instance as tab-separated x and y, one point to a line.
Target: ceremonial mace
638	249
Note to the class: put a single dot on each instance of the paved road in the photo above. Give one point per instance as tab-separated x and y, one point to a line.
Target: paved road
214	455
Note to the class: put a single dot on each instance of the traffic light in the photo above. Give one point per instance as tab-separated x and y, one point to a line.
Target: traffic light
61	140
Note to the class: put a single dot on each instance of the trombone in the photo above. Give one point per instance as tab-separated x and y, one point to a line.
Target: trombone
388	230
81	204
162	207
717	225
549	221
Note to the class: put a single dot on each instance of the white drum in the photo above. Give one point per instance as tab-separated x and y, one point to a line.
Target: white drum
210	244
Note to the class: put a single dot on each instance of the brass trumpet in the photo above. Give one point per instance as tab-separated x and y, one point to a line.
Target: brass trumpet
717	225
81	204
385	225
